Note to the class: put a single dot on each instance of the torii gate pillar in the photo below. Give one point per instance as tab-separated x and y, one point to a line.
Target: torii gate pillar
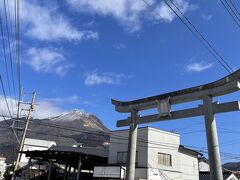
212	140
132	146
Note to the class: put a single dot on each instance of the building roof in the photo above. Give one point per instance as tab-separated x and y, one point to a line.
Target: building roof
101	152
65	150
203	159
39	143
2	158
205	175
189	151
149	128
237	174
70	155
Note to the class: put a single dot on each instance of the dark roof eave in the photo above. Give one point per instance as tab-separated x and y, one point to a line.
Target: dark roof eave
189	151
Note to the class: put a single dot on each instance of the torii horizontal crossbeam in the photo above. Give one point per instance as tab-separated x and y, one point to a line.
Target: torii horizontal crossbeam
223	86
186	113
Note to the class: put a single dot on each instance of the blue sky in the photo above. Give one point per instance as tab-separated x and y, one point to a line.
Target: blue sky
81	53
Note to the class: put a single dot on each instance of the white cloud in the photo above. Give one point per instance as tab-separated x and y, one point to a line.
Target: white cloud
48	60
95	78
164	13
129	13
48	23
45	107
59	100
90	24
4	108
198	67
119	46
207	17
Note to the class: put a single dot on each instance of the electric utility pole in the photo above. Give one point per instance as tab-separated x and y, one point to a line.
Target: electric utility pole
25	130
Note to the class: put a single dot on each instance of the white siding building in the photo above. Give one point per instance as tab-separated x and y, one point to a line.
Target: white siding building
2	167
34	144
203	165
159	155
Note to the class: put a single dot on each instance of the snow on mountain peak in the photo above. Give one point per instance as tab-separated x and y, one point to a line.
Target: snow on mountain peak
87	120
71	116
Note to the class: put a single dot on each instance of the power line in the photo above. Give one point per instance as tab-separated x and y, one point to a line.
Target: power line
154	145
211	49
235	8
68	128
231	12
238	4
170	145
119	137
6	67
9	48
5	97
142	142
91	133
196	33
17	44
5	120
17	37
8	124
188	126
123	138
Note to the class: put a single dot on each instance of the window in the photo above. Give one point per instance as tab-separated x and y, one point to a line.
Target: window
122	157
164	159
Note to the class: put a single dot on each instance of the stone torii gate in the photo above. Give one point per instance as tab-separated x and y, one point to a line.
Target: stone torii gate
163	103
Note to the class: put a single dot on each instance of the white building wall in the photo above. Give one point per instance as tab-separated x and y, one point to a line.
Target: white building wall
167	143
203	166
189	167
2	166
119	143
152	141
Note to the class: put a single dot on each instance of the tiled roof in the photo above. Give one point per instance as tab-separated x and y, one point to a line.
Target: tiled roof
206	175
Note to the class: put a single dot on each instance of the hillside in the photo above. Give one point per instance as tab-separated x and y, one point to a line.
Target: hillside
67	129
233	166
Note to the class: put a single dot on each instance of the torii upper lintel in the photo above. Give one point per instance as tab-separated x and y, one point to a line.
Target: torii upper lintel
220	87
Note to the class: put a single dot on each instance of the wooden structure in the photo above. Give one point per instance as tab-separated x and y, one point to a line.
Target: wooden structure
78	162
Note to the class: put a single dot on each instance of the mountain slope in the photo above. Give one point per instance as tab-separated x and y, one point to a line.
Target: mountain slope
68	129
233	166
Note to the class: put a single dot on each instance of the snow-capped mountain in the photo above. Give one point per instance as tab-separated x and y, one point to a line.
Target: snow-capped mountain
69	129
71	116
87	120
